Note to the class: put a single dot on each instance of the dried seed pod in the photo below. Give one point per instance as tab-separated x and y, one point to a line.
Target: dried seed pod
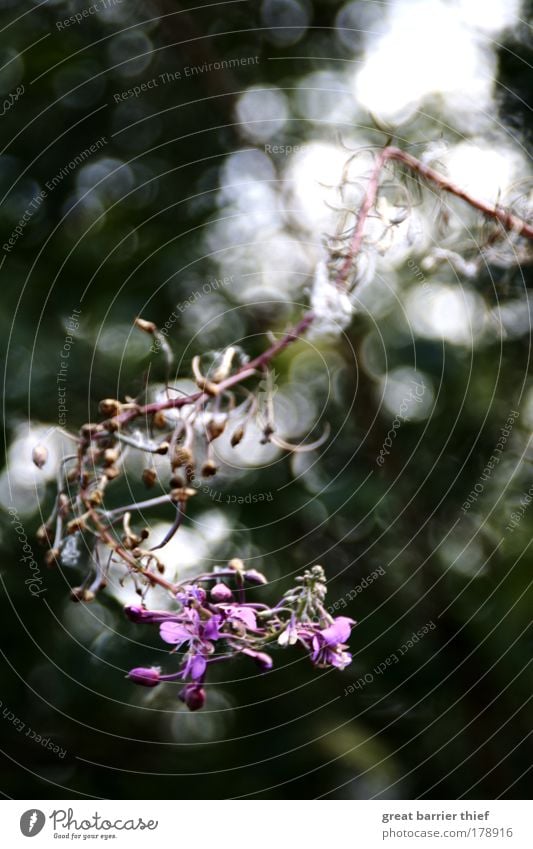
63	504
159	420
111	456
182	494
39	455
215	429
209	469
176	482
109	407
149	477
182	457
43	536
82	594
112	472
95	498
88	430
146	326
237	436
77	524
51	557
163	448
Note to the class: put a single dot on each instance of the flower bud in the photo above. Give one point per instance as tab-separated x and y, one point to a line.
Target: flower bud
255	577
193	695
39	455
145	676
221	593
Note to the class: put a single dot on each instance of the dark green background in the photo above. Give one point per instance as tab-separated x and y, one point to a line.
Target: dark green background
454	716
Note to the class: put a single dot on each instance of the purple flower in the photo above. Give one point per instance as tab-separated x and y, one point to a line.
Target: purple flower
289	635
147	677
240	617
221	593
191	595
193	695
329	644
255	577
198	633
139	614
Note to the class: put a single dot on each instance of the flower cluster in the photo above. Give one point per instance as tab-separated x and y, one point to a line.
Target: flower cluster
214	622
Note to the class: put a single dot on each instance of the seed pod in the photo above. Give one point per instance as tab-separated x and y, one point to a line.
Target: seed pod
159	421
215	429
176	482
209	469
146	326
63	504
95	498
109	407
77	524
182	494
112	472
111	456
88	430
51	557
182	457
237	436
82	594
163	448
149	477
39	455
43	536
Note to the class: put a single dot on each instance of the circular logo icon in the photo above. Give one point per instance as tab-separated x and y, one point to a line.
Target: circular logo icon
32	822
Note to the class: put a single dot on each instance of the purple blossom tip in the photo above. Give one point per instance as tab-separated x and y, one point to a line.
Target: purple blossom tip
263	660
145	676
339	631
255	577
221	593
193	695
